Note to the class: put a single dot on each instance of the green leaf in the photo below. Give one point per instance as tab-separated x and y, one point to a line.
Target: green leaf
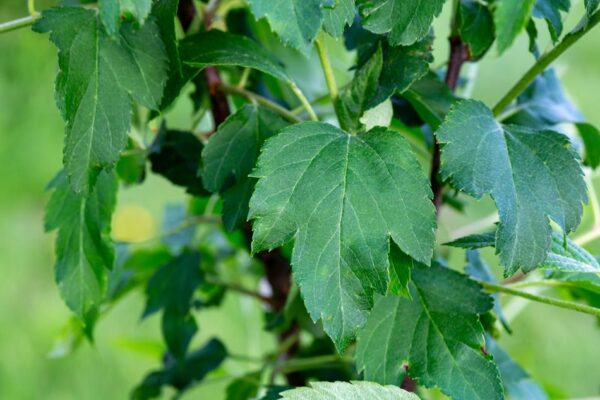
341	197
591	6
296	22
476	26
112	10
564	255
177	232
348	391
164	13
550	10
84	250
438	336
544	104
182	375
591	140
353	99
245	387
406	21
171	289
231	154
478	269
402	66
337	18
531	175
97	78
176	156
431	98
511	17
518	384
225	49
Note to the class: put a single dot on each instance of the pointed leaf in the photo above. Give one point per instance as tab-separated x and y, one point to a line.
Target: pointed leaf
438	336
96	78
342	197
550	10
296	22
591	140
84	250
221	48
231	154
348	391
406	21
511	17
531	175
476	26
336	19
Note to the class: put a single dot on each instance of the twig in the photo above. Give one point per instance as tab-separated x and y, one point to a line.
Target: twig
18	23
493	288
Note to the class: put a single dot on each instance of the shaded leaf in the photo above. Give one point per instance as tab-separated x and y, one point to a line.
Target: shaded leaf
244	388
550	10
591	140
476	26
431	99
436	334
231	154
176	156
531	175
510	18
342	197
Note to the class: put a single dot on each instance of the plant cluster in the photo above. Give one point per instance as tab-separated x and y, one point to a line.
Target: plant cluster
332	202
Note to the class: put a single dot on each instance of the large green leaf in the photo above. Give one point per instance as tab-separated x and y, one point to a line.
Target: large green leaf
564	255
406	21
221	48
230	155
336	18
438	336
531	175
296	22
511	17
84	250
97	77
341	197
348	391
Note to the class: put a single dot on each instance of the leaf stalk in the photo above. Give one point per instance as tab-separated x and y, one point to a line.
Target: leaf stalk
263	101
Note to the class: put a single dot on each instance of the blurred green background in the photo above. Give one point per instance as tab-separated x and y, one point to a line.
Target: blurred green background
560	349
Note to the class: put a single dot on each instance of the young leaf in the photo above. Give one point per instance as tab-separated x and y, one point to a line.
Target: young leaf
511	17
591	140
518	384
110	13
182	375
336	19
136	9
406	21
476	26
176	156
348	391
531	175
84	250
221	48
230	155
341	197
353	100
550	11
563	255
97	76
245	387
437	335
296	22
